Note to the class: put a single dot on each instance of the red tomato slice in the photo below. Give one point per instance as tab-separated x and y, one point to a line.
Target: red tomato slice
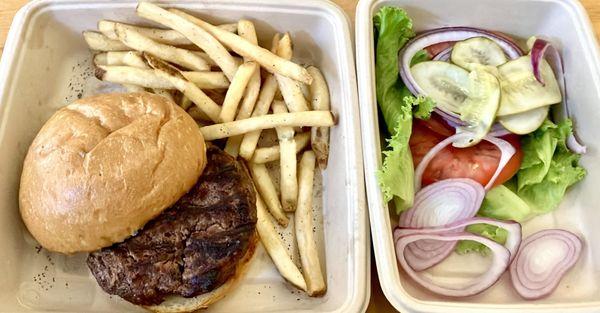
478	162
435	49
437	124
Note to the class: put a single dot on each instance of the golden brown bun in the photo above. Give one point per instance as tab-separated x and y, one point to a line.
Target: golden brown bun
102	167
178	304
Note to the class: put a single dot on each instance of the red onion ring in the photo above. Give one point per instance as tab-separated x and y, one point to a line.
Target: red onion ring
444	55
438	204
543	49
483	282
529	276
513	240
506	150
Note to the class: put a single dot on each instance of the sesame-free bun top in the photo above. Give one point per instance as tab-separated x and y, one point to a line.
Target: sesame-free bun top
102	167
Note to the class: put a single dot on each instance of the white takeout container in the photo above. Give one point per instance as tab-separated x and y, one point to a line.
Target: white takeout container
46	64
566	24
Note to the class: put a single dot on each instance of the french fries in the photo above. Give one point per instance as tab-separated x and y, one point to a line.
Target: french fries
190	62
166	36
270	61
309	255
290	89
99	42
207	80
236	91
194	33
136	41
287	161
319	101
298	119
267	191
245	30
270	154
274	246
190	90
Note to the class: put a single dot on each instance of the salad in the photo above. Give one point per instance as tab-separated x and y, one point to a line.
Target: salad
479	140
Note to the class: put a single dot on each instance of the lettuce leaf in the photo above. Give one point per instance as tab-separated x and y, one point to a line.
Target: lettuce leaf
393	29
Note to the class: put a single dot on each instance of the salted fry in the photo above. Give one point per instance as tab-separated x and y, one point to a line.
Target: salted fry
207	80
267	59
133	88
139	42
270	154
267	191
303	220
185	102
263	104
236	91
290	89
194	33
245	30
127	58
319	101
298	119
287	161
128	75
99	42
189	89
231	27
275	247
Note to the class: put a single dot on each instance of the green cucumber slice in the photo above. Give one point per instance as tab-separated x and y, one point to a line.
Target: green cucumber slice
445	83
526	122
477	51
521	92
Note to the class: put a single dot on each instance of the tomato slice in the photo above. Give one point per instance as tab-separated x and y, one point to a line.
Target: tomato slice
435	49
478	162
437	124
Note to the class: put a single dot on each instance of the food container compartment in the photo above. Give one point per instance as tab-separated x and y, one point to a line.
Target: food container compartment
567	26
46	64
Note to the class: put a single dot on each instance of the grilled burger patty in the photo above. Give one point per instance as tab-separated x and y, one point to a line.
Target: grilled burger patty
191	248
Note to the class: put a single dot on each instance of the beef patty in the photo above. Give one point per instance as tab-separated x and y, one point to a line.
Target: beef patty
191	248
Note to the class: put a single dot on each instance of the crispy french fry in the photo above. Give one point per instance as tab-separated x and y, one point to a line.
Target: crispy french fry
290	89
319	101
267	59
120	58
130	37
166	36
287	161
133	88
298	119
128	75
236	90
270	154
245	30
165	93
207	80
303	218
185	102
99	42
265	97
263	104
267	191
194	33
189	89
275	248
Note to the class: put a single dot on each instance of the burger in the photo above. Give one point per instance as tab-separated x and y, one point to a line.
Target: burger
169	221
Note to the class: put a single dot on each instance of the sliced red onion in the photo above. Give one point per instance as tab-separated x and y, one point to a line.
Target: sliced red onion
543	49
499	264
444	55
441	203
506	150
513	240
543	260
498	131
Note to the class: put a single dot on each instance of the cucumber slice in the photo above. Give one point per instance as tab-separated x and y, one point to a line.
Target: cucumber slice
443	82
521	92
526	122
479	109
477	51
